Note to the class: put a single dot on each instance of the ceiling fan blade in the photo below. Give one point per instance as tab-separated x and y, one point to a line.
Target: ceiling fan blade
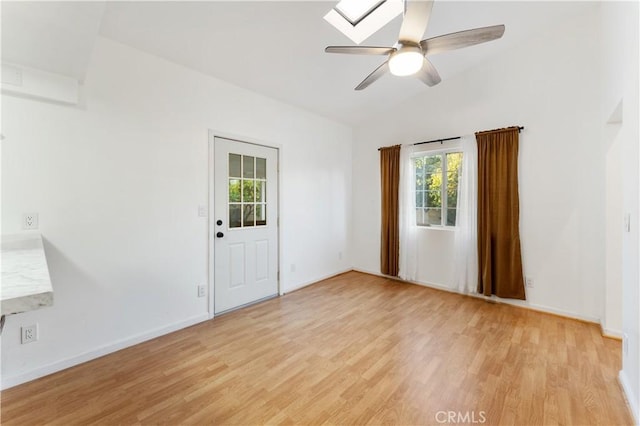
359	50
461	39
428	74
379	72
415	20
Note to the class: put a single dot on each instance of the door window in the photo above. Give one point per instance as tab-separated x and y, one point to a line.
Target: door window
247	191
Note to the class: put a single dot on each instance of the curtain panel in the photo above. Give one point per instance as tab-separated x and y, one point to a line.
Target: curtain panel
499	254
408	265
466	234
389	184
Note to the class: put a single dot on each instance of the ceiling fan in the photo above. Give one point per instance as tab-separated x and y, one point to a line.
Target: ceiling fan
409	55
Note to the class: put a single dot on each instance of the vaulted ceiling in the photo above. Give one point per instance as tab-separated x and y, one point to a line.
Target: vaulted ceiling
273	48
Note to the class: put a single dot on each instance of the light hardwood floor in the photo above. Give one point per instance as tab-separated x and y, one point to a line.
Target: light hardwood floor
353	349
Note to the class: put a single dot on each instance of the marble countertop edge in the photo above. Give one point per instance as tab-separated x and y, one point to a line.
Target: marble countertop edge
25	280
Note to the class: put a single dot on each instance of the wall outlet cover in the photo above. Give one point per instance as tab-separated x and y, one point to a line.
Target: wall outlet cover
29	333
30	221
202	290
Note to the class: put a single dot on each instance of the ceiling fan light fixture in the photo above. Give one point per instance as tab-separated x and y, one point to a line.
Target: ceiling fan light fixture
406	61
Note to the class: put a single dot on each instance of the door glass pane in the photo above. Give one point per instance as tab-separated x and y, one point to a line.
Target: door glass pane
235	218
248	167
261	168
248	191
261	214
234	165
234	190
247	216
261	191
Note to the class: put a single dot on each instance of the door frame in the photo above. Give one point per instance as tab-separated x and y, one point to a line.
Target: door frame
211	208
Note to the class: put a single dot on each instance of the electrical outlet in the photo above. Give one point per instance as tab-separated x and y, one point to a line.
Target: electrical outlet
202	290
625	343
29	333
293	267
203	211
30	221
339	255
529	282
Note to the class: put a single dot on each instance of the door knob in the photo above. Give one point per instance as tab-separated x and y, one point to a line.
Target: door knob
219	235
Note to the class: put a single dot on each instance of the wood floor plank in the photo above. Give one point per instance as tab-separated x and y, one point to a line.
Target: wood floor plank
353	349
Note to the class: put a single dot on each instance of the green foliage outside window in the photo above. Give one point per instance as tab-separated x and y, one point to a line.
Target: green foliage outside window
431	170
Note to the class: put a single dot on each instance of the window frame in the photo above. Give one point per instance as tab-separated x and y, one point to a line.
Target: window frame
443	191
242	203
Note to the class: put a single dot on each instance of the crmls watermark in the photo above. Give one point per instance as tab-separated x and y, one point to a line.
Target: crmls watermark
473	417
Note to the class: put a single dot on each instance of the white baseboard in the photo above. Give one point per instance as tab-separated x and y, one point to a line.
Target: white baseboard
518	303
315	280
14	380
632	399
609	332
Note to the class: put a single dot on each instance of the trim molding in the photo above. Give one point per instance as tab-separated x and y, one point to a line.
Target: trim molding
610	333
629	396
518	304
316	280
17	379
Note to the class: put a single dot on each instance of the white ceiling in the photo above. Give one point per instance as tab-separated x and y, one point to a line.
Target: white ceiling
273	48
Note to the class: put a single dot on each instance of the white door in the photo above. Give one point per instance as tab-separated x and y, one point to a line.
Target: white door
244	222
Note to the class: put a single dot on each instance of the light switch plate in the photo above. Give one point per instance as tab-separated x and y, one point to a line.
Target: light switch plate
627	222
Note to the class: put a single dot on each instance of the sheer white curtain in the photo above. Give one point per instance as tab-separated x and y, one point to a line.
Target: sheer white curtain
408	265
466	238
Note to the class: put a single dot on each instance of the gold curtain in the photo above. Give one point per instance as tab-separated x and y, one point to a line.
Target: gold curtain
499	255
390	181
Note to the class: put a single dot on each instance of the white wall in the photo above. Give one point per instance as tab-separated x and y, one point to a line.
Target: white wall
117	184
614	225
551	86
620	86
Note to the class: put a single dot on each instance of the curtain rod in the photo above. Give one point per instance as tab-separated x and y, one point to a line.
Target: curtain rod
520	128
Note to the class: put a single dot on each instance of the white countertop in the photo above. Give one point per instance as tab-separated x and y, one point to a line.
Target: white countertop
25	281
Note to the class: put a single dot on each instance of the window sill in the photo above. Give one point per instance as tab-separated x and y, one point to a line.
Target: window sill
438	228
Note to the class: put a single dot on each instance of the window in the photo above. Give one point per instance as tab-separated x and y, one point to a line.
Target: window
437	176
359	19
247	191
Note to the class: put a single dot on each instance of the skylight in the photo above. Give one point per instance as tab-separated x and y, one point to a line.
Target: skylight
359	19
355	11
